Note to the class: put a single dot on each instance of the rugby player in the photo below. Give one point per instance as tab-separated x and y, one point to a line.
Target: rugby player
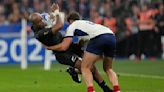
101	44
48	34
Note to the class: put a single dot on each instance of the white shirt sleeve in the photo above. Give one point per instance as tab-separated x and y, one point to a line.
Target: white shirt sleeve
70	31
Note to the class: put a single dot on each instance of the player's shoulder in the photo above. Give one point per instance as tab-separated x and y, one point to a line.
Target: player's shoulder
74	24
79	22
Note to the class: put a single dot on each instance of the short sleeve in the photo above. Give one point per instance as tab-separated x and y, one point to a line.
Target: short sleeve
70	31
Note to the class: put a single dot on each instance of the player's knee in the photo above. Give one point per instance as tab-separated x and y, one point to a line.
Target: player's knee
107	69
86	66
83	66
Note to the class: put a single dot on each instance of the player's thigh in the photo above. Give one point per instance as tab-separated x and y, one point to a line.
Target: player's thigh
89	59
66	58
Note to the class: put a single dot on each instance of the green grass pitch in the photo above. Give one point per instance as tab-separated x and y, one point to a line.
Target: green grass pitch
144	76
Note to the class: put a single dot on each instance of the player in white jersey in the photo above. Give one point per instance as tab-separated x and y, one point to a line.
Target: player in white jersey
102	44
86	29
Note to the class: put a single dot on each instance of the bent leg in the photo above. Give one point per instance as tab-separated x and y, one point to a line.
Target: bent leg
107	65
87	63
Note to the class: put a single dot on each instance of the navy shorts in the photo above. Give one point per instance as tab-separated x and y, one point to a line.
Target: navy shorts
104	44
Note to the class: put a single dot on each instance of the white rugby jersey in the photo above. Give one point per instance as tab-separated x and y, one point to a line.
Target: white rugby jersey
86	30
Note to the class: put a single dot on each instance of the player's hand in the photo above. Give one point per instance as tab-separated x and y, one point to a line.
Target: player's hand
54	7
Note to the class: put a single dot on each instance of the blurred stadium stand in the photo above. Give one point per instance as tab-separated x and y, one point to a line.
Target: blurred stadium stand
138	25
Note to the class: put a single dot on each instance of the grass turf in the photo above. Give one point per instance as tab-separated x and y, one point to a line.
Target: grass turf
144	76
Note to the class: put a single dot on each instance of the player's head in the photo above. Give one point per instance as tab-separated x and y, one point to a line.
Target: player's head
72	17
37	20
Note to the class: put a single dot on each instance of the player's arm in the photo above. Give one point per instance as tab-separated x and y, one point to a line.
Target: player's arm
55	13
63	46
67	41
58	25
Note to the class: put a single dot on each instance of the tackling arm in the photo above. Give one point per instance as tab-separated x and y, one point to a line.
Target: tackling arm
63	46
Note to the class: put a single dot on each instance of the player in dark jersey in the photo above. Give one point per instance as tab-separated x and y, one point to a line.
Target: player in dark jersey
48	38
50	35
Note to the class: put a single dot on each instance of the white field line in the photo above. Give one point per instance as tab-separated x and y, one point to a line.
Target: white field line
142	76
129	75
139	91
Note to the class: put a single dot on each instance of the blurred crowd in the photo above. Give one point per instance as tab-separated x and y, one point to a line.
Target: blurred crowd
138	24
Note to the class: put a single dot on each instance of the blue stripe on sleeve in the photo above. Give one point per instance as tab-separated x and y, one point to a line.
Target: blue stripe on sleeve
78	32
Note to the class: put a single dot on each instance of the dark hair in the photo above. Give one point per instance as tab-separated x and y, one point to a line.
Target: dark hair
73	16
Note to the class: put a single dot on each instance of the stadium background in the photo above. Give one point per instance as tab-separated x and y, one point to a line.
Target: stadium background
124	17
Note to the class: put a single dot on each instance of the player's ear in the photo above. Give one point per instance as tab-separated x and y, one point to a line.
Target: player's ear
71	21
